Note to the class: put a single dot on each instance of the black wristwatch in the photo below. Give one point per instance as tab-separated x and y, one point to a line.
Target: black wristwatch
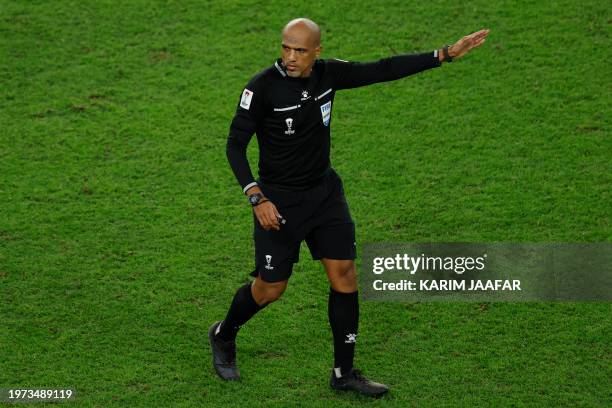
255	198
447	57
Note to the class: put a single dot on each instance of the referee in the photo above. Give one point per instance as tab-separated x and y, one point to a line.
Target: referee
298	195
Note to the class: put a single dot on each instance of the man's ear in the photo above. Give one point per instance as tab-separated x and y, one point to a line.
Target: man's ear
318	51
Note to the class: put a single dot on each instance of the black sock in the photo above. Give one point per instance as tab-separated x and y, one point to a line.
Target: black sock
243	307
343	311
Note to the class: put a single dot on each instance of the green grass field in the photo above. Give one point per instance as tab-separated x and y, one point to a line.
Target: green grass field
124	235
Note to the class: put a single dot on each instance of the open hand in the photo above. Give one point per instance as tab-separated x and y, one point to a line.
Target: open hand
464	45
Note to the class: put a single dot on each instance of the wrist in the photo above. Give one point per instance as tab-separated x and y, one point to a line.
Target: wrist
253	190
447	56
263	200
256	199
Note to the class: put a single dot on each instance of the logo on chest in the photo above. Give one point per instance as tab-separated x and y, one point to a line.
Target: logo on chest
289	122
326	113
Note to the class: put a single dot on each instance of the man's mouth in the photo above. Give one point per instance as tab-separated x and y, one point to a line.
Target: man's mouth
291	67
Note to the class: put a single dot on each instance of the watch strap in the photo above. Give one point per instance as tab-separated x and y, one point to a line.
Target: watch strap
255	198
265	200
447	57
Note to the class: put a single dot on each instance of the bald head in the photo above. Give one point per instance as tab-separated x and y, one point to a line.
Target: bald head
303	28
300	47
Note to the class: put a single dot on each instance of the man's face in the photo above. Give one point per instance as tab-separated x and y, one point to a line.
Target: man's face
299	51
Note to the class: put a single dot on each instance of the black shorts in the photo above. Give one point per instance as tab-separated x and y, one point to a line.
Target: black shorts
319	215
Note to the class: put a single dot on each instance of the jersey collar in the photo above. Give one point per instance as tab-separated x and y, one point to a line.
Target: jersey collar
279	66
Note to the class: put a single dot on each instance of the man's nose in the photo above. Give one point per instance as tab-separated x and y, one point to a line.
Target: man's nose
292	55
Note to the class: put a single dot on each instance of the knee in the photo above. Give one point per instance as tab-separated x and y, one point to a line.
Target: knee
344	277
346	272
267	292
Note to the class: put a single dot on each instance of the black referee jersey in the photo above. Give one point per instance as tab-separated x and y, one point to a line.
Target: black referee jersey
292	117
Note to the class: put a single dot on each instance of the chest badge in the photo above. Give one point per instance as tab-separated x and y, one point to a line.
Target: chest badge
289	122
305	95
326	113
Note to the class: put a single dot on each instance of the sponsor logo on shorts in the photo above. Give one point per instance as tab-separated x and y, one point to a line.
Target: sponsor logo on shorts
351	338
268	260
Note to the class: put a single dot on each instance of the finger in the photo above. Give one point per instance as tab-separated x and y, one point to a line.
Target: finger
274	224
483	35
267	220
260	219
279	217
261	213
263	224
476	41
275	221
479	36
264	220
277	213
480	33
268	226
478	44
272	220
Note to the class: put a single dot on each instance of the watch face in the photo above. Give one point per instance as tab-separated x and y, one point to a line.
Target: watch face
254	199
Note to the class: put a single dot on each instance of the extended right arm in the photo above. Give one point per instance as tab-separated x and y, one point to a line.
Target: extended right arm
355	74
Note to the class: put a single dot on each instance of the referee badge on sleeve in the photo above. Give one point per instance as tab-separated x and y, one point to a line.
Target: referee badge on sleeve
326	113
245	101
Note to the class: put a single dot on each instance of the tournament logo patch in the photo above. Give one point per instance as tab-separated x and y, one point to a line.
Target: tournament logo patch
268	260
245	101
326	113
